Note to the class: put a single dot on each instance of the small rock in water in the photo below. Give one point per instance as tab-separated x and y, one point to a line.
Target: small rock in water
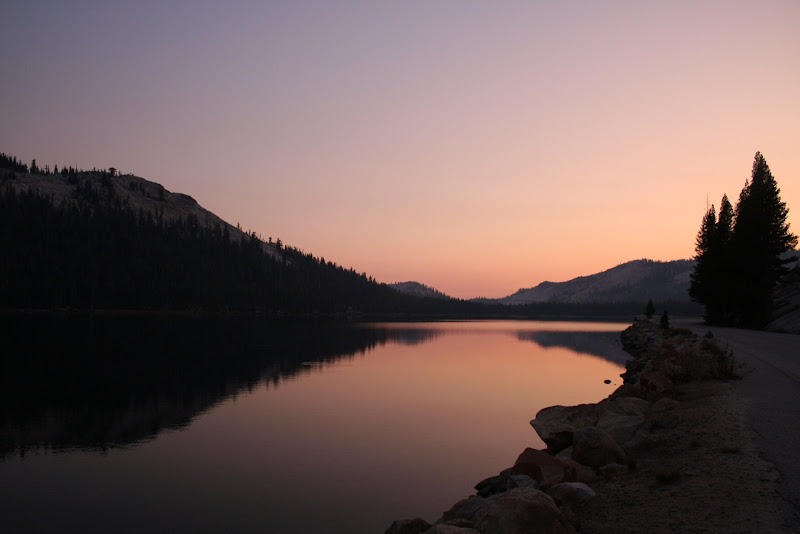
606	381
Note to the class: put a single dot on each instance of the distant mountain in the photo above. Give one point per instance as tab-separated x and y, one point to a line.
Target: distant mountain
634	281
418	290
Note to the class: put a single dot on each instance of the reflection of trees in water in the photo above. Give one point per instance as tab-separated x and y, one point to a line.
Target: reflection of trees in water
73	382
105	382
413	336
604	345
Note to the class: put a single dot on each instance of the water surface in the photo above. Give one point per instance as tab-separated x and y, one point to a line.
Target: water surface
131	425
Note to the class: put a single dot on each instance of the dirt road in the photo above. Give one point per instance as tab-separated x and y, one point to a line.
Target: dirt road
771	390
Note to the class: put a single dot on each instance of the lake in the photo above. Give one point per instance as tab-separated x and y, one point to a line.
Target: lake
187	425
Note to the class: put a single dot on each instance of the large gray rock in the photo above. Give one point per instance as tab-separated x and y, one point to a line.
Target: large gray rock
542	467
521	481
466	508
574	494
495	484
620	426
556	424
408	526
523	511
595	447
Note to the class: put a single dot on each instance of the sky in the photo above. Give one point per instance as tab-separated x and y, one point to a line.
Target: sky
477	147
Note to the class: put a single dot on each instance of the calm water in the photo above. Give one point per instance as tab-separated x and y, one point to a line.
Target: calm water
133	425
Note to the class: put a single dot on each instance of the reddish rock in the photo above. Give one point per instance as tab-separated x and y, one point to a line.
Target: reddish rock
595	447
523	511
556	424
542	467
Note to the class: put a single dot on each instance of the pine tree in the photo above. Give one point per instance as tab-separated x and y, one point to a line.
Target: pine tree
760	236
722	272
650	309
701	278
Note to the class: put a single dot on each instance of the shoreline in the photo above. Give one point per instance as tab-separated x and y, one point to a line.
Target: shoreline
668	451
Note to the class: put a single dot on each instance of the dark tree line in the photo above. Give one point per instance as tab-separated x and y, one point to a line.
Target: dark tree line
739	253
95	254
93	250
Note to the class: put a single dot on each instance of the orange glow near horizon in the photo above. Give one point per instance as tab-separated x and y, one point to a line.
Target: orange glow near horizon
477	148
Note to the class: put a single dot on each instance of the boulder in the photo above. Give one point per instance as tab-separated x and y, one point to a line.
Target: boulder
556	424
620	426
542	467
521	481
408	526
574	494
466	508
565	454
626	391
522	511
595	447
495	484
583	473
626	406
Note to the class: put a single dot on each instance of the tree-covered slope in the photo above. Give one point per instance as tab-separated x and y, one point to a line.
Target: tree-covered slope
94	239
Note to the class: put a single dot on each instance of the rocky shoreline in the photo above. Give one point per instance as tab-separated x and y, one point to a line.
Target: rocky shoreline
668	451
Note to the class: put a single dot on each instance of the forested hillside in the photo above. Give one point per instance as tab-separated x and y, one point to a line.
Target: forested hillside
94	239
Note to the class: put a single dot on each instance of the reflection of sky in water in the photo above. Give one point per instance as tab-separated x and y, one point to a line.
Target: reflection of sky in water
405	428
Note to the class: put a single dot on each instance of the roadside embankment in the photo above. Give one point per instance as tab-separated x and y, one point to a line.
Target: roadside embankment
668	451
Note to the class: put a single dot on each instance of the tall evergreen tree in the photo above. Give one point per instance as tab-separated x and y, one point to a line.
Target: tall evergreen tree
721	274
760	236
739	253
701	278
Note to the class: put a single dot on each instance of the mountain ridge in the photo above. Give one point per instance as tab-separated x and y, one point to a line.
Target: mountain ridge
636	280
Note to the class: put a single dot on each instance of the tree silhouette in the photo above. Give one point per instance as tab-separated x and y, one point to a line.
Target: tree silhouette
760	236
739	254
650	309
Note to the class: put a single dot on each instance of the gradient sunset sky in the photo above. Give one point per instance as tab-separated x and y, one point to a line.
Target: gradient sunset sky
475	146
